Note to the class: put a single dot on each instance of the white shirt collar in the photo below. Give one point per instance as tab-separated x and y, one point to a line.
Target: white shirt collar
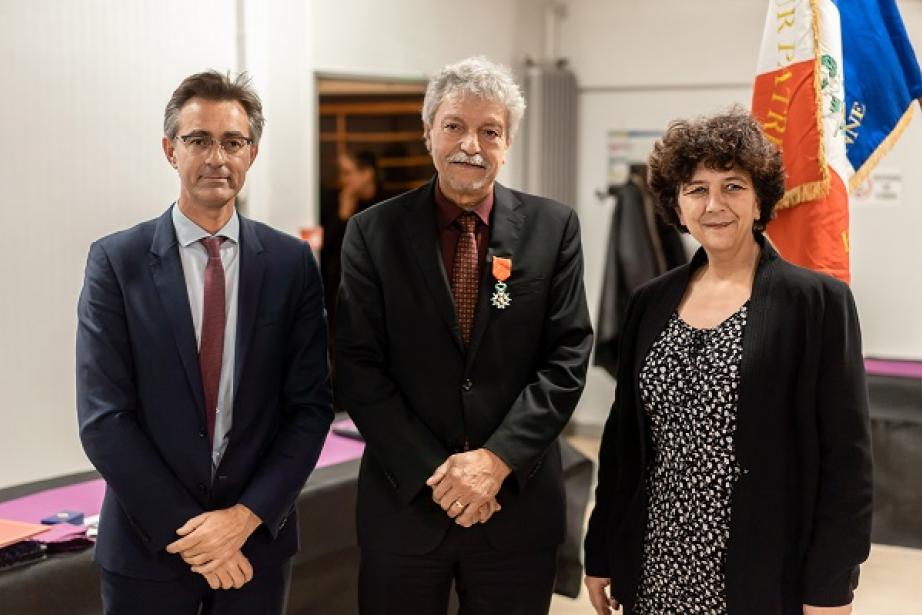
188	232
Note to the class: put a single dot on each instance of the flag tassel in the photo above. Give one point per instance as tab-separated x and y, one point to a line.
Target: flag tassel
885	146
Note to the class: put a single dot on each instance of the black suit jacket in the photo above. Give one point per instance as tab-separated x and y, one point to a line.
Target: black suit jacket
417	396
140	399
801	511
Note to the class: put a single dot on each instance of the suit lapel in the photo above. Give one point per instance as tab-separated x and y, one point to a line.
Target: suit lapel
421	235
659	310
755	342
505	233
252	267
166	270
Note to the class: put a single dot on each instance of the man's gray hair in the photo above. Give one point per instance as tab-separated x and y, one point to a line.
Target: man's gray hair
480	78
212	85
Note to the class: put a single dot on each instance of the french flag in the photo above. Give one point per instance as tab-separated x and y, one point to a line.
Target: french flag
835	87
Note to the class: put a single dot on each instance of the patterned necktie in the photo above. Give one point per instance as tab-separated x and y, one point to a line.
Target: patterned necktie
465	275
211	347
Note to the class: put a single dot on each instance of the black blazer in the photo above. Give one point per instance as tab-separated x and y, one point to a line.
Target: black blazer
801	511
403	374
140	399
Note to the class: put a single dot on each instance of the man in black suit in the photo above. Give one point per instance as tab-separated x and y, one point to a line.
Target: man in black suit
462	340
203	392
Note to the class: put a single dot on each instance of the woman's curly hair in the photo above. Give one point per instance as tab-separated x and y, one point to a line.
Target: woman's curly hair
719	142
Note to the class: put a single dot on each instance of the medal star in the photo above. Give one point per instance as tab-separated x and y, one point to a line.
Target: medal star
501	298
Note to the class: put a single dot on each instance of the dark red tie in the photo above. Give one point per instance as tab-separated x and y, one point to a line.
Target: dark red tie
465	275
211	348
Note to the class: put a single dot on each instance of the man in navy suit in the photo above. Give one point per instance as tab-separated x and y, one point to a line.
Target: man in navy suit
203	389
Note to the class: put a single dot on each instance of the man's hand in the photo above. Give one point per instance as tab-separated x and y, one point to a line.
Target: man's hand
465	482
827	610
601	602
485	512
232	574
211	539
472	516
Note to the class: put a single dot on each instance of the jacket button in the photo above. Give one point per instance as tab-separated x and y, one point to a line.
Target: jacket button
201	434
467	385
201	487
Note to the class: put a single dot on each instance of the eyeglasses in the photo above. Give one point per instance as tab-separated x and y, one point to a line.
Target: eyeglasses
201	144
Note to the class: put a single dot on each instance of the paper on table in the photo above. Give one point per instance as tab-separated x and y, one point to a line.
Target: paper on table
12	532
62	532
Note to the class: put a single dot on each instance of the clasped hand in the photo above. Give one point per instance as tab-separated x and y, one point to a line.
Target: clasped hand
211	544
466	484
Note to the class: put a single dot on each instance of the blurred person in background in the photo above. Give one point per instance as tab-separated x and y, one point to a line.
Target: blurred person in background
359	189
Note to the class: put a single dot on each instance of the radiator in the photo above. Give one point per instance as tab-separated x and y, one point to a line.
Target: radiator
548	132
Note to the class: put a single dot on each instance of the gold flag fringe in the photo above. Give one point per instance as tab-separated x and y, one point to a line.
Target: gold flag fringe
817	66
811	191
862	173
803	193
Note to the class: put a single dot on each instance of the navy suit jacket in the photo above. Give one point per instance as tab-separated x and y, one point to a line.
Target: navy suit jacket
140	401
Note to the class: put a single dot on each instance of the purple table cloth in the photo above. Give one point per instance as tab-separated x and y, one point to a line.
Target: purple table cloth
87	497
901	369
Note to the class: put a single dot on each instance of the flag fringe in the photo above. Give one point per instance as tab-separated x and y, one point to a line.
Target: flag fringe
803	193
817	89
862	174
818	189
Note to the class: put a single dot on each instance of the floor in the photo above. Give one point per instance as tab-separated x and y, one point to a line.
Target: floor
891	579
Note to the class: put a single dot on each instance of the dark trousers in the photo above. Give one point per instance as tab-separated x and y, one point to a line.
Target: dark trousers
266	593
487	580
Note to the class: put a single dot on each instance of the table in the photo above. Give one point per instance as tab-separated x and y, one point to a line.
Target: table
324	572
895	392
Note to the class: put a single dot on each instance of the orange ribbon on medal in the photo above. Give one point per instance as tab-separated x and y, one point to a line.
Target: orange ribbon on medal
502	268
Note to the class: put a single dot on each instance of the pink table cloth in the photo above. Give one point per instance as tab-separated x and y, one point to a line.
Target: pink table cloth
86	497
885	367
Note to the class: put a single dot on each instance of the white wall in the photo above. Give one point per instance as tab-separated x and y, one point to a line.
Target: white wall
289	42
84	90
85	85
278	54
641	64
411	39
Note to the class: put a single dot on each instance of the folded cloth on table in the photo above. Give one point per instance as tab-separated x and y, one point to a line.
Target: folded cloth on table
21	553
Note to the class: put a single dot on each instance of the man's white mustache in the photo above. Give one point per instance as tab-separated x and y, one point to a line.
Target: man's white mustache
476	159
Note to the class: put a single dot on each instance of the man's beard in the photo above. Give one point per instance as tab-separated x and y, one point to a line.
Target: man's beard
467	186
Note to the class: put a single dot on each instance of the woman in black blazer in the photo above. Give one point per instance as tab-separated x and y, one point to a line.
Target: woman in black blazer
735	467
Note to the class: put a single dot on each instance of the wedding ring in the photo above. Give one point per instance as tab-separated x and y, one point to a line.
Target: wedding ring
458	504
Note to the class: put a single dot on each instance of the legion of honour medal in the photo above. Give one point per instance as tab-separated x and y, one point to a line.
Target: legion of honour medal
502	269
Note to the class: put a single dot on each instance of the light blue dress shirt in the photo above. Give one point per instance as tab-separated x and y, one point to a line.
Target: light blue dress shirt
194	257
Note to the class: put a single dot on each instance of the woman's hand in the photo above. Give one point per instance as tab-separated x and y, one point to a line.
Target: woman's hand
600	600
827	610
